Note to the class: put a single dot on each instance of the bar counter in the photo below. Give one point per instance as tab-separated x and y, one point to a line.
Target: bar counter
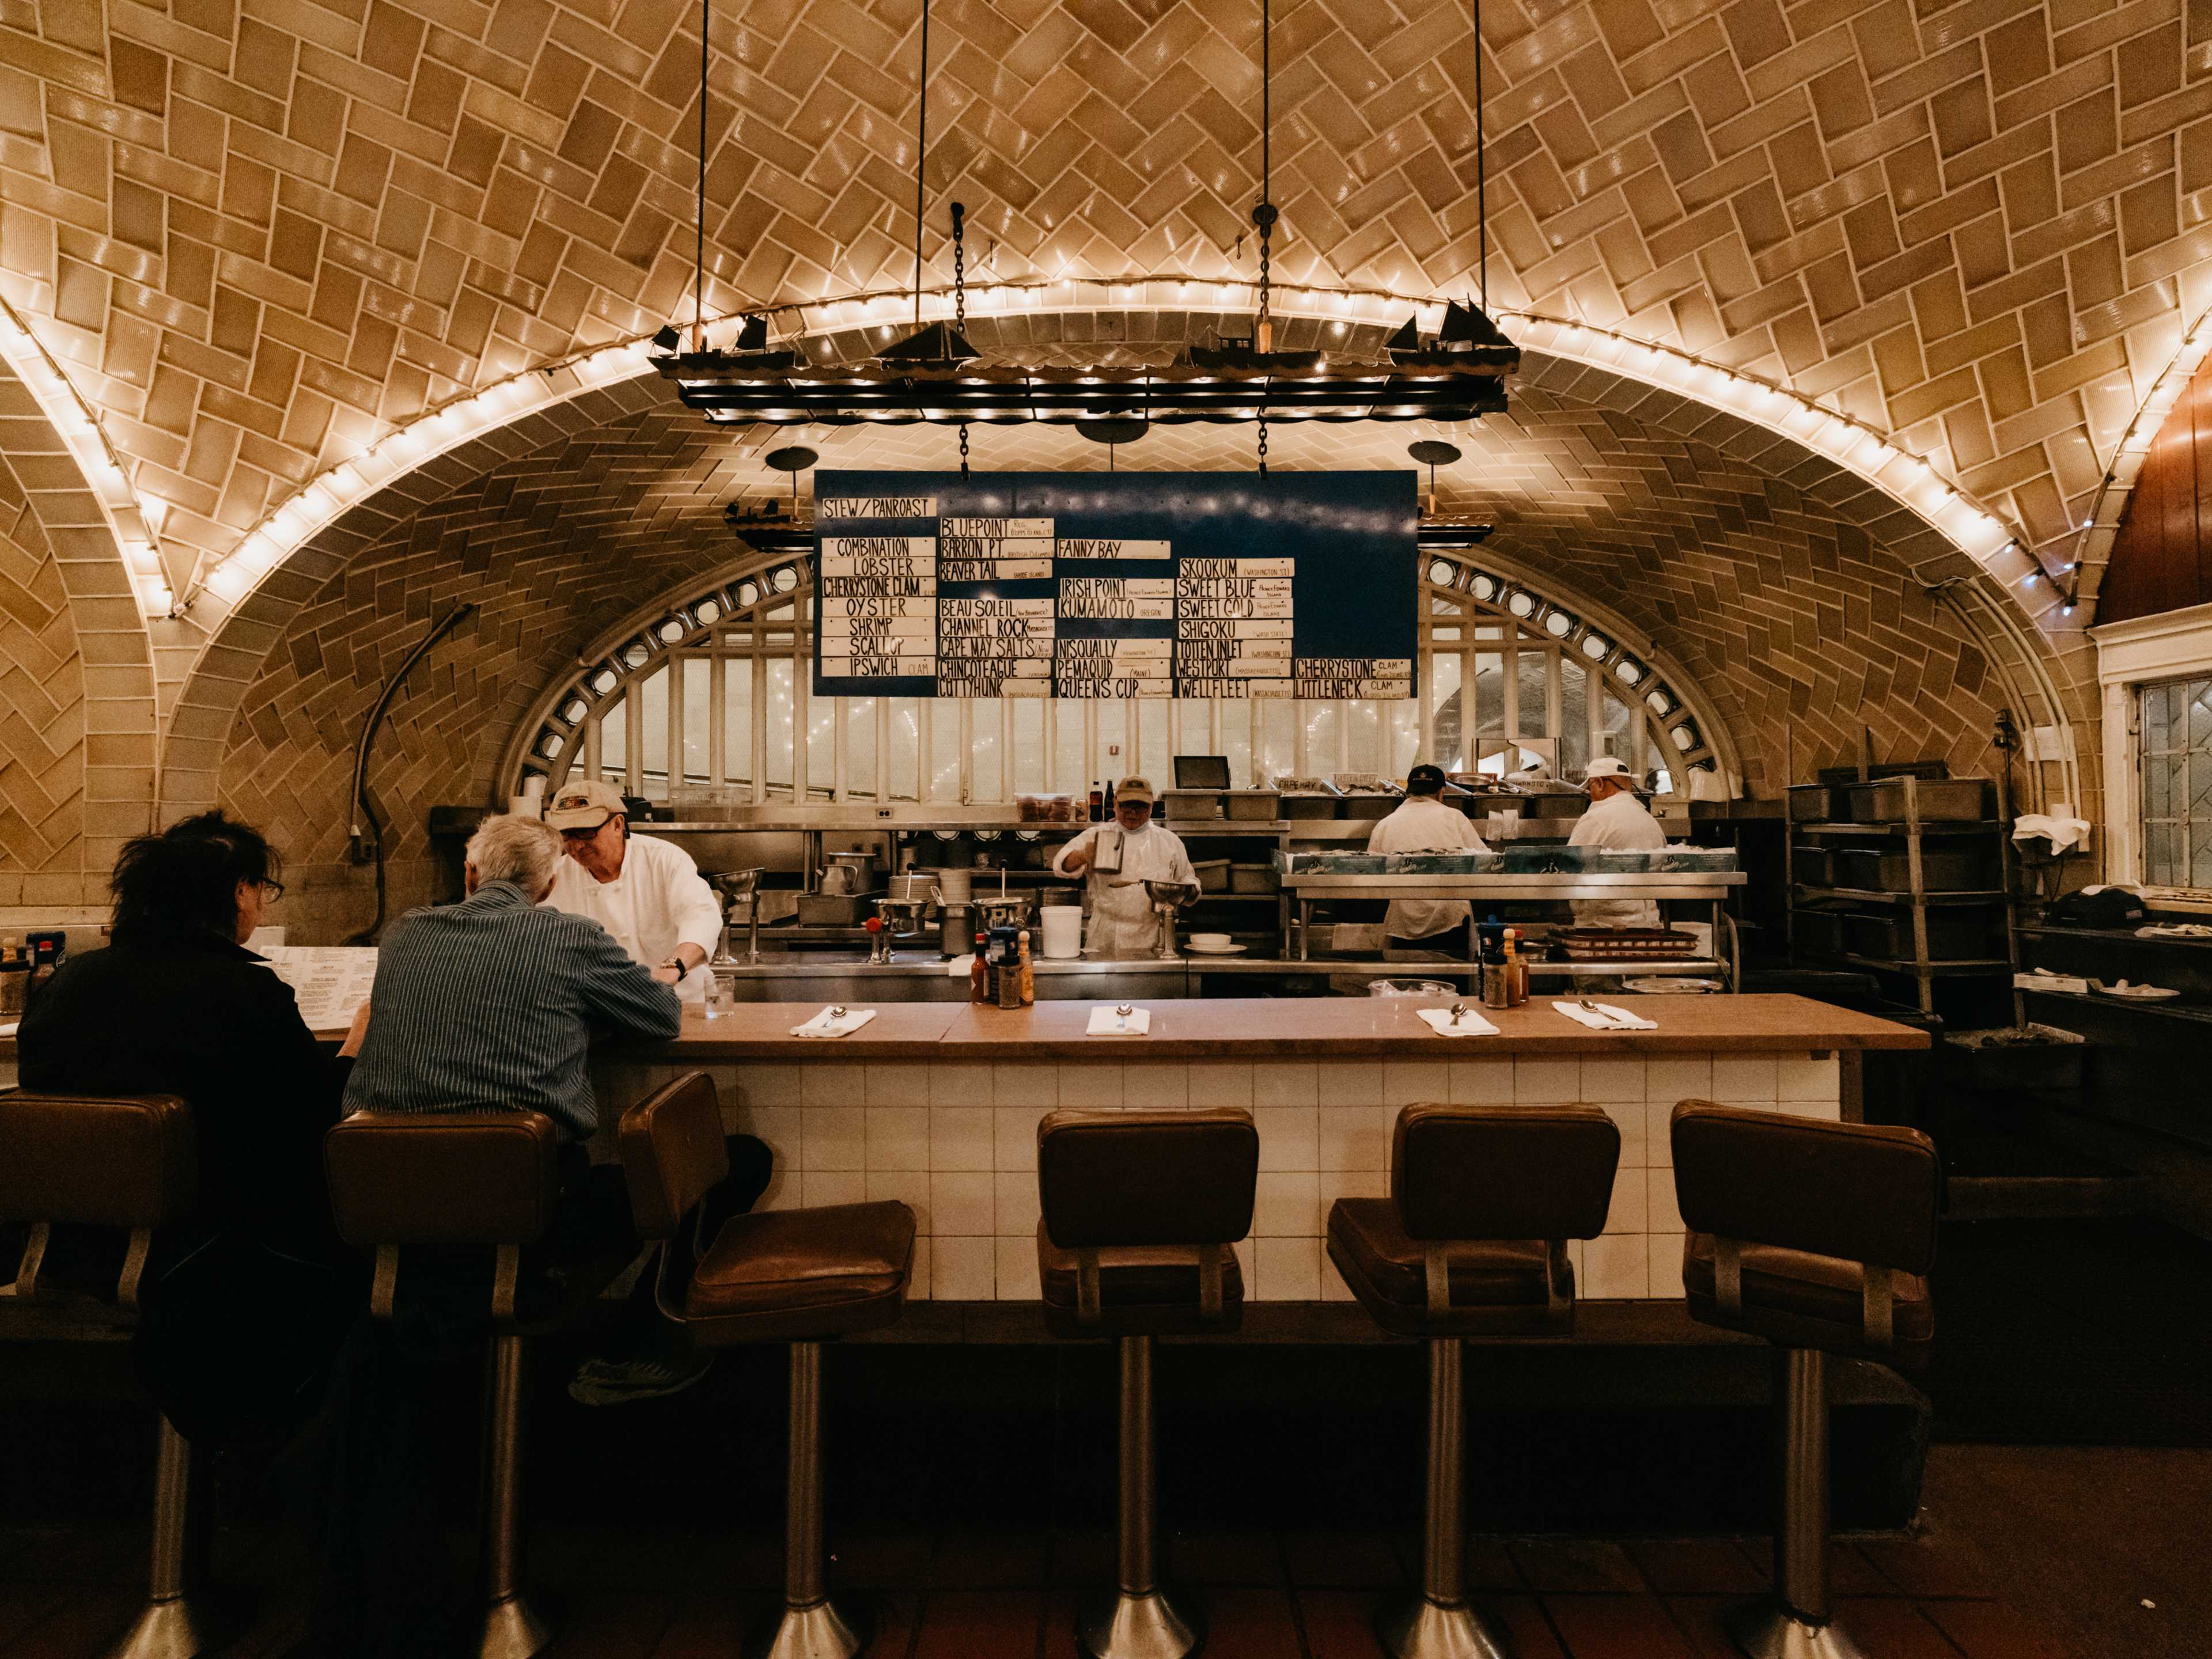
937	1105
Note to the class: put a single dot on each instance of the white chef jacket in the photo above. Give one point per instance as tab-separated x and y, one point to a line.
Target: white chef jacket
1123	924
1424	824
658	903
1618	823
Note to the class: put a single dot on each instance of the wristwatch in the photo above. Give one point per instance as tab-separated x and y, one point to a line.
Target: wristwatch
681	967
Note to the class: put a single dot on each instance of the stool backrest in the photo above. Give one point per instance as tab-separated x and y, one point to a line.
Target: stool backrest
672	1153
442	1178
128	1161
1504	1171
1857	1192
1113	1179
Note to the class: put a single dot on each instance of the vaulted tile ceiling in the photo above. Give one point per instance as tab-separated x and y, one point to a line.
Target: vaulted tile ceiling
259	235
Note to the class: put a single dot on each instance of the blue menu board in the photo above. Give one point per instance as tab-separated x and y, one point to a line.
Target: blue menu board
1116	585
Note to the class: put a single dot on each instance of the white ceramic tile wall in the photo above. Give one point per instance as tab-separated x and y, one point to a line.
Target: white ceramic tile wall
958	1144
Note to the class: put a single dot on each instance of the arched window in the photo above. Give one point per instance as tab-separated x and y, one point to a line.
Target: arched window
707	702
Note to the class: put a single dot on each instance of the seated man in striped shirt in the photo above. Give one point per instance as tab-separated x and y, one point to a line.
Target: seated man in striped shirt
489	1005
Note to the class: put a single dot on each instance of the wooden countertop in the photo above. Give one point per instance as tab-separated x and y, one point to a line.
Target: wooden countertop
1262	1028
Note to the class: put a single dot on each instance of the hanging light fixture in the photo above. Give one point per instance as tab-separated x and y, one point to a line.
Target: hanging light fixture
935	376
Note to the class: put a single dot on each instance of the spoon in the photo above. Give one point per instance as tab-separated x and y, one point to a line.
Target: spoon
1457	1009
1592	1009
1122	1011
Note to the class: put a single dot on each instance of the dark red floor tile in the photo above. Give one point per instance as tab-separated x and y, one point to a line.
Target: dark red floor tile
23	1606
80	1555
613	1557
1940	1565
1576	1566
1887	1626
1696	1566
893	1561
1340	1623
1342	1560
1525	1621
991	1561
615	1624
1990	1630
1490	1566
1226	1557
740	1560
85	1624
1083	1561
993	1624
1617	1627
710	1623
1850	1573
1249	1624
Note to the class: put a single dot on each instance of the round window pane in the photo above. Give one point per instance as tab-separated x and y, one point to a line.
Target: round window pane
1595	646
605	681
1485	587
1441	573
747	592
573	710
552	745
1522	605
635	655
1685	736
708	610
785	579
673	630
1629	670
1559	624
1659	702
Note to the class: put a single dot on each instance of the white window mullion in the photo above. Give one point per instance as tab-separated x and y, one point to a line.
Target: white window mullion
802	707
717	747
758	663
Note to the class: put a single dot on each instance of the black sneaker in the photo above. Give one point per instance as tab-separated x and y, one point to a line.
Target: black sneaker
619	1382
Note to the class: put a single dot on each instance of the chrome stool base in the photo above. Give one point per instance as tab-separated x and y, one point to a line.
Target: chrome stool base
512	1629
167	1630
1767	1630
825	1630
1151	1625
1418	1628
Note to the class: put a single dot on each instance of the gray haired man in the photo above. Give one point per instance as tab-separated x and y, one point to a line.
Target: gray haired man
489	1005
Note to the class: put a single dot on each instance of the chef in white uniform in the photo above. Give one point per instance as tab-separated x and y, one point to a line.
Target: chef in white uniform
1422	824
1617	822
647	893
1115	860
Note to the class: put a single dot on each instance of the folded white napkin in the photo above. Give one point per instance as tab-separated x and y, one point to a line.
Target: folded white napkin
1607	1018
1104	1022
822	1025
1470	1024
8	1030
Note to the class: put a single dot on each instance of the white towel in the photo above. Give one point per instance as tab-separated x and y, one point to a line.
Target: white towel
823	1026
1104	1022
1470	1024
1607	1018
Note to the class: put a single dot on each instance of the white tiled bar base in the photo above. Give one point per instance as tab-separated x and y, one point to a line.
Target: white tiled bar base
957	1143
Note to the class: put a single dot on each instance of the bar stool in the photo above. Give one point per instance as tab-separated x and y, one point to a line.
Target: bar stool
1140	1210
1471	1243
1819	1237
803	1276
129	1163
404	1180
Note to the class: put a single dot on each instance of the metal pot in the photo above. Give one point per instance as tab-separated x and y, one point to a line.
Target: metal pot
1002	910
912	889
847	873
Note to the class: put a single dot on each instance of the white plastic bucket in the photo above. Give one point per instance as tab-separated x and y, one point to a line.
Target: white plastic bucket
1063	931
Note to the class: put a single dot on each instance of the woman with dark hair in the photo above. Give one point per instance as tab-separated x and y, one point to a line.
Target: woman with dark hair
177	1005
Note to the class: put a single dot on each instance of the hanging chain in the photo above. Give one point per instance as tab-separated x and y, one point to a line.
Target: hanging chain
1263	334
1263	443
959	271
1263	337
963	449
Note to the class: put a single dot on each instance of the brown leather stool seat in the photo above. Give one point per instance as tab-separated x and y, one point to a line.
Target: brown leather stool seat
1471	1243
1141	1211
1818	1236
128	1162
403	1181
804	1276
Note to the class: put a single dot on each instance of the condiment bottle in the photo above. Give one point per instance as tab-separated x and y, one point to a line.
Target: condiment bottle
1010	969
1494	994
1029	972
1098	802
14	979
978	975
1516	971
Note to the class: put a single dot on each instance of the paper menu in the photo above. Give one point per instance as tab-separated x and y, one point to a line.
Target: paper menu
330	980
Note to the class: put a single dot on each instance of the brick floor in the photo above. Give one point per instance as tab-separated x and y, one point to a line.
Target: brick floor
645	1593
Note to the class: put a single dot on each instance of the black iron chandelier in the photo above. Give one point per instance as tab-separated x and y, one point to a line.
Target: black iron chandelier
935	376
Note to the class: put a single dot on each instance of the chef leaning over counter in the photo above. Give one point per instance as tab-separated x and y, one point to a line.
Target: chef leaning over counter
1422	824
1115	860
647	894
1618	822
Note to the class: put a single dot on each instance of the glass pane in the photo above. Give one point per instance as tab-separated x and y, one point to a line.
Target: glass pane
1278	722
1574	717
822	747
1151	745
1236	743
738	720
1321	726
860	748
2159	868
698	722
1617	732
614	741
1364	731
2200	854
945	748
2200	714
1113	742
1535	721
2160	780
1401	726
780	728
1029	745
1444	738
906	748
988	773
1068	777
652	695
2157	725
1489	697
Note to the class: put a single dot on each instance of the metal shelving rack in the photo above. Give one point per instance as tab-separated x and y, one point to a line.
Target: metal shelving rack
1913	832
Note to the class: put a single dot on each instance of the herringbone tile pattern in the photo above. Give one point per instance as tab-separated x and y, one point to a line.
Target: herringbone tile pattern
262	233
